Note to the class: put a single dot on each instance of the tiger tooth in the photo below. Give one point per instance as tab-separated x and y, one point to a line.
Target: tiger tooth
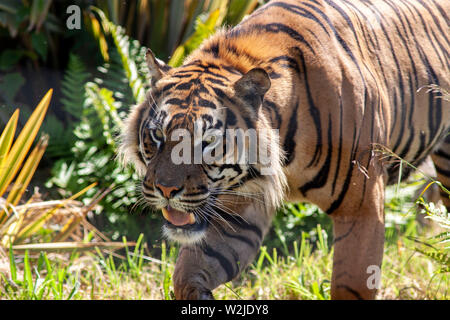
165	213
191	218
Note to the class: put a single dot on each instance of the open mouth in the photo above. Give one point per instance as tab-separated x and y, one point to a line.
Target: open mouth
182	220
178	218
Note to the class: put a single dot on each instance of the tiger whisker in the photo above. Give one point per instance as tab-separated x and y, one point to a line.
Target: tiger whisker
205	215
217	217
252	196
217	204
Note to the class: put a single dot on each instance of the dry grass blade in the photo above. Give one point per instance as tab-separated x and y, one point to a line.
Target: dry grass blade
74	234
74	221
11	227
433	88
69	246
39	222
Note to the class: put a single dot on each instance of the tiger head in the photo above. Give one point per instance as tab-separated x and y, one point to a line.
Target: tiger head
178	140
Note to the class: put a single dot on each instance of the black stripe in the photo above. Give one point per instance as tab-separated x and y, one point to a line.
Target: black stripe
215	81
185	85
313	110
442	171
217	75
148	194
443	154
177	102
206	104
240	222
348	20
220	93
352	291
223	261
336	203
214	49
425	28
239	51
422	146
428	33
296	10
204	190
231	70
401	106
274	75
231	118
346	234
372	125
341	41
183	200
441	11
407	146
322	175
251	174
289	143
436	21
139	119
168	86
270	28
291	62
210	177
237	236
341	126
273	109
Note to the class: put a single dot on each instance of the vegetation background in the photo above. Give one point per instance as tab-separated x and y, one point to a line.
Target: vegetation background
97	72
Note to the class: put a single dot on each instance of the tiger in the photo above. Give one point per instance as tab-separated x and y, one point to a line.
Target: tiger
330	82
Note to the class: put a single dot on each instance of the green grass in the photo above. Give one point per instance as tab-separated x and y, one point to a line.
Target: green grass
298	268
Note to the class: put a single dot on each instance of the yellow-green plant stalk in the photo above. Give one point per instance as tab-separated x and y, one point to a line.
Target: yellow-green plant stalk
14	155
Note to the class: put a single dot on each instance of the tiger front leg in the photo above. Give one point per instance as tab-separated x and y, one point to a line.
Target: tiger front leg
358	246
230	244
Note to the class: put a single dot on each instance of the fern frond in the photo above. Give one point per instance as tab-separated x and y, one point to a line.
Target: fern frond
103	101
73	86
438	256
125	48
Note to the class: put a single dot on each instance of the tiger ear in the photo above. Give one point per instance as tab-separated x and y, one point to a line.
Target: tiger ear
252	86
156	67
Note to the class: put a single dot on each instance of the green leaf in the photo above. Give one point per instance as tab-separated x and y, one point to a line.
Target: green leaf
444	270
10	85
10	6
12	265
28	279
39	43
202	31
9	58
74	290
238	9
73	86
38	13
41	261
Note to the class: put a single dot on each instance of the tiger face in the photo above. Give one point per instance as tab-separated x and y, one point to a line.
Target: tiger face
182	148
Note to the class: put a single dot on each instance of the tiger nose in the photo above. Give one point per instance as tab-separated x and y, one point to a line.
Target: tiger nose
168	191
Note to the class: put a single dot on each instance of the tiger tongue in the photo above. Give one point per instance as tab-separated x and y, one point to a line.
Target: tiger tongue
178	218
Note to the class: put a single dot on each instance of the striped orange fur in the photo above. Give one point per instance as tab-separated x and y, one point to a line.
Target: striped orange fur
335	78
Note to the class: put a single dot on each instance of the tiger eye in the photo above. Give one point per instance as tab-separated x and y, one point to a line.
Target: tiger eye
159	134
